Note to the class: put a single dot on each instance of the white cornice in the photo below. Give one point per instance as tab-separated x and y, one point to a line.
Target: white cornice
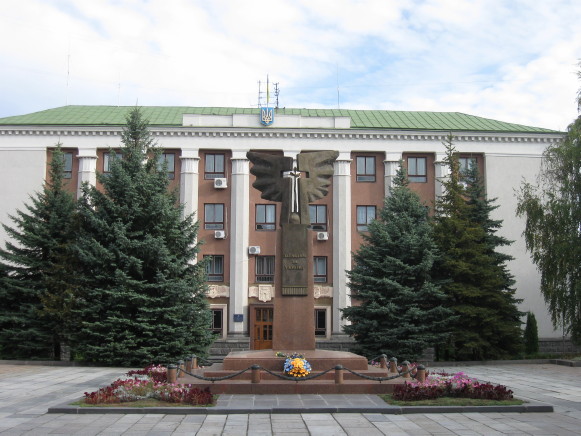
342	134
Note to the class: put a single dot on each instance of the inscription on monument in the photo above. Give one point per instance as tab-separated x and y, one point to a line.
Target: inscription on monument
295	274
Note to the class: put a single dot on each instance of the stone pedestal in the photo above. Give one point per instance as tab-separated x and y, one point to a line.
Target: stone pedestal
294	303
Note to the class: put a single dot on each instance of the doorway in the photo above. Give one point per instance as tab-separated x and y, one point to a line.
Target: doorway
262	327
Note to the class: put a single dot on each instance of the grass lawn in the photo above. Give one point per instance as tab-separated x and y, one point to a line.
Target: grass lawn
447	401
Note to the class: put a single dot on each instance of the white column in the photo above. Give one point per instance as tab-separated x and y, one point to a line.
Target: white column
391	165
442	172
189	181
239	234
341	237
87	168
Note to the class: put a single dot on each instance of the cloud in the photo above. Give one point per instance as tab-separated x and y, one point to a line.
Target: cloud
512	60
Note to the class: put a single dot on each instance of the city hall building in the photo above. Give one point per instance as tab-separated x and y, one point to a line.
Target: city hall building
205	150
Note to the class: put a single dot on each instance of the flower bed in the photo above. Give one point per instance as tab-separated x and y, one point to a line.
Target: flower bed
149	383
457	385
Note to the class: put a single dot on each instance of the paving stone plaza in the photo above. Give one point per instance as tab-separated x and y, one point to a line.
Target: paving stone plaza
27	392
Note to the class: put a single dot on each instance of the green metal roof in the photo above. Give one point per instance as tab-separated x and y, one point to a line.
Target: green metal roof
360	119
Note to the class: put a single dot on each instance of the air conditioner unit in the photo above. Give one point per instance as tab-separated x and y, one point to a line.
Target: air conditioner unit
322	236
254	249
220	183
220	234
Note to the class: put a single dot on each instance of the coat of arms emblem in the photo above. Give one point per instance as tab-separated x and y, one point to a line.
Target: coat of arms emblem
266	115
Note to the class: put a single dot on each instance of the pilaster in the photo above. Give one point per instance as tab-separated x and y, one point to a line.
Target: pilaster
87	168
341	236
391	164
239	234
189	181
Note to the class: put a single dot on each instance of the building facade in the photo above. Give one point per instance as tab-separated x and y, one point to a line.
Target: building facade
205	150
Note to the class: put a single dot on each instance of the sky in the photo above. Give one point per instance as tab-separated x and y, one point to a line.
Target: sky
510	60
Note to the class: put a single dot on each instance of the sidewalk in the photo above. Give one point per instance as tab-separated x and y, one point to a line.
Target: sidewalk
27	392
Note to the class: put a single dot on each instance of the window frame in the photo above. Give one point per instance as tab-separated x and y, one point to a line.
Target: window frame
216	224
224	309
68	164
107	160
211	173
363	227
265	225
321	332
316	224
267	263
317	276
417	177
211	273
163	157
365	176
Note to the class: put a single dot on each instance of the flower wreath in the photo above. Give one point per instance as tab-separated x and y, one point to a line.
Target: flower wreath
295	365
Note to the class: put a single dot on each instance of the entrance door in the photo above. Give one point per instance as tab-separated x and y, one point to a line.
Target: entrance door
262	328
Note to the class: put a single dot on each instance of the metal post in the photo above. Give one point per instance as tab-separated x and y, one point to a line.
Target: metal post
188	363
171	373
405	366
181	368
339	375
194	362
393	365
255	373
383	361
421	374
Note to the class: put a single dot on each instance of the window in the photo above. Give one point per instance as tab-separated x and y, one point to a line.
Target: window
215	268
320	269
320	322
68	165
217	321
265	269
465	163
214	216
365	168
169	159
318	214
265	217
108	158
214	168
417	169
365	214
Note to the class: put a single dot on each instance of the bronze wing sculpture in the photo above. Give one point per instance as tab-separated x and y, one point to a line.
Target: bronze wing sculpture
293	187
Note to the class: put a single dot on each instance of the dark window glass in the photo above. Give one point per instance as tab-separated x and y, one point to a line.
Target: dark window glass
365	214
265	269
417	169
214	216
217	321
320	322
214	166
365	168
318	215
265	217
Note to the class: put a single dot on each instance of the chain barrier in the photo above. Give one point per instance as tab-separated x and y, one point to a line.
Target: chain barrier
379	379
286	377
213	379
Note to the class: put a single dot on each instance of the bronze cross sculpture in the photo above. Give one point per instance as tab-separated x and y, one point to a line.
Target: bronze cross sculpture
279	180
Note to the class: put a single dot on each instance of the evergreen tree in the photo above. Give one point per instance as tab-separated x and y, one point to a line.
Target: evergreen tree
552	212
34	266
480	208
531	335
143	296
400	312
475	279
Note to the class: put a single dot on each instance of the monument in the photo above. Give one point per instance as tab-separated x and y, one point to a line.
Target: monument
294	183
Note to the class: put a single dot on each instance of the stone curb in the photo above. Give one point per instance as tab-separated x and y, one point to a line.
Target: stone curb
387	409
